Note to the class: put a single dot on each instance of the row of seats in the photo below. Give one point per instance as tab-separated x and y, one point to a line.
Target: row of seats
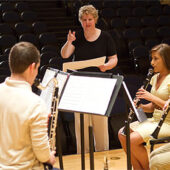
19	28
7	40
13	17
114	3
18	6
20	23
118	22
135	11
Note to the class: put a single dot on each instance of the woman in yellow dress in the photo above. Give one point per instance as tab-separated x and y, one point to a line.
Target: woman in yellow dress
140	132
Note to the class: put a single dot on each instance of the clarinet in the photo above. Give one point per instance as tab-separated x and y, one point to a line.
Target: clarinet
166	109
144	86
53	119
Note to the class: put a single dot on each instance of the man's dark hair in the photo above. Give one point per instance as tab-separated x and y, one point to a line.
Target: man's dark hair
22	55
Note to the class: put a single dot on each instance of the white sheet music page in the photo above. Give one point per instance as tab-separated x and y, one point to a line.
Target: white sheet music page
47	93
87	94
139	113
84	64
61	78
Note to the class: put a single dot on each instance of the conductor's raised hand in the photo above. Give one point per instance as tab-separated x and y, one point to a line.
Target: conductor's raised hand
71	36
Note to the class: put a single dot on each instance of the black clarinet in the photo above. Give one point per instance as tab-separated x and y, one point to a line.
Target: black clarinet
165	113
145	85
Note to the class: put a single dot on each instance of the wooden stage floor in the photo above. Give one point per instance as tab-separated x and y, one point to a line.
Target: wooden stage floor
116	161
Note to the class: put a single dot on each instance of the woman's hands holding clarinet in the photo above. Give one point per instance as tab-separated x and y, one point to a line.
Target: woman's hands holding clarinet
143	94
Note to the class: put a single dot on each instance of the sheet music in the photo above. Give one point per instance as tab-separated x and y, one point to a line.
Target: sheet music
87	94
84	64
47	93
61	78
139	113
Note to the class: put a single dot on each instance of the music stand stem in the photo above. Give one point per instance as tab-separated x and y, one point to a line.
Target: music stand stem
82	141
59	147
127	130
129	167
91	144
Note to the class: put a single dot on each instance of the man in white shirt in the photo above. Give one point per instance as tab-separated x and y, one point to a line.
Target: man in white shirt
23	116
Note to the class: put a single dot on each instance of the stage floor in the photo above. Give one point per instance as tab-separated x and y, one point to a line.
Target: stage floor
116	161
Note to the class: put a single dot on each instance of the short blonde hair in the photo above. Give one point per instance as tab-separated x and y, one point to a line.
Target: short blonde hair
88	9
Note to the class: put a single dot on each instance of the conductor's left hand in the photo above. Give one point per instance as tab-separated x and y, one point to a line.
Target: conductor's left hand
102	68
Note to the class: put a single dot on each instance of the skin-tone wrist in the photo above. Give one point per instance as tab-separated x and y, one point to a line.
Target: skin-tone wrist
52	159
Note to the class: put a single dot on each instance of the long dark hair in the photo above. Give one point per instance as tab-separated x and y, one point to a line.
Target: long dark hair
164	51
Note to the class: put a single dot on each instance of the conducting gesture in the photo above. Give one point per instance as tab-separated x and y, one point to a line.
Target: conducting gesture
71	36
68	48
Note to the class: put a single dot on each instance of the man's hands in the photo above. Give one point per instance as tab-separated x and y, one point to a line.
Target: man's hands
52	159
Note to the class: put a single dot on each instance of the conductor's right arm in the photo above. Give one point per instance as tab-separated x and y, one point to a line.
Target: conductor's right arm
68	48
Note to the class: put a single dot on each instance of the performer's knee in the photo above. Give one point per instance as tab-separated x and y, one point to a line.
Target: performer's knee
154	163
121	137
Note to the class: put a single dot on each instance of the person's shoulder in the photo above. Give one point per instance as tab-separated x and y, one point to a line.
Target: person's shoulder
168	77
154	78
155	75
33	97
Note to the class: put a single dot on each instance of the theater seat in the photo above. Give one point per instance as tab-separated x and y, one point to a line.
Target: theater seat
6	6
29	37
56	62
39	27
28	16
48	38
166	40
22	6
141	59
46	56
50	48
22	28
6	29
149	21
7	41
10	17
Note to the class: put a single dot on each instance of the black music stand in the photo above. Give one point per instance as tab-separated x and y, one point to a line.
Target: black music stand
67	97
131	105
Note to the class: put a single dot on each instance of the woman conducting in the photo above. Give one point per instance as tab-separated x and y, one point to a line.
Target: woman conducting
140	132
90	43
